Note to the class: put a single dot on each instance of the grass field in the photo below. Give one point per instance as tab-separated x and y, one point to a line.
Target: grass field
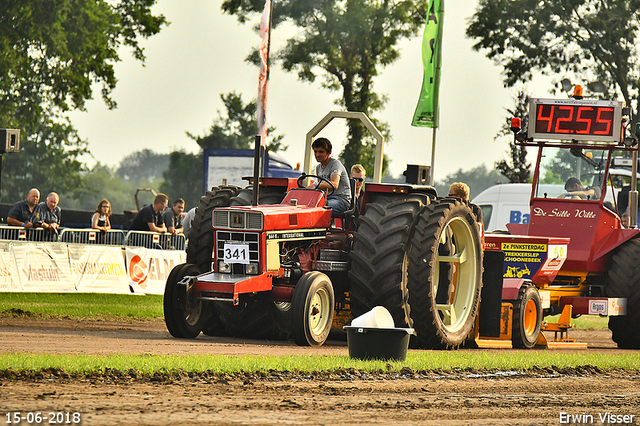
84	305
127	307
416	360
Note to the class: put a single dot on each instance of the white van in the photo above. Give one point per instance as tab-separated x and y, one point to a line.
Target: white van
509	203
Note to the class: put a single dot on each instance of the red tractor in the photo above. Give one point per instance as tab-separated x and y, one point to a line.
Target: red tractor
278	266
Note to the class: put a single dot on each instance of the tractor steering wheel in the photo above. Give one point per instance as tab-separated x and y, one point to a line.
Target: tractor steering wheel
320	178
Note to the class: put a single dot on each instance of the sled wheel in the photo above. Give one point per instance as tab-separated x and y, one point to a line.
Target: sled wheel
527	317
183	314
445	274
623	280
312	309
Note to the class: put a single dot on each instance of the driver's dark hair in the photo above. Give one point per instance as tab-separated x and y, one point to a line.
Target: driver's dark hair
323	143
572	183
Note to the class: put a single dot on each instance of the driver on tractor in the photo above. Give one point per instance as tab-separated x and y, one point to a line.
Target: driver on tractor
575	189
337	180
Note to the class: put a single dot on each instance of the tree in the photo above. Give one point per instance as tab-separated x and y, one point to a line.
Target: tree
347	42
516	168
49	160
587	40
143	167
236	128
102	182
478	179
183	178
51	53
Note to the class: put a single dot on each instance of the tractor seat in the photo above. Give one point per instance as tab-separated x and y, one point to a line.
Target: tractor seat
350	212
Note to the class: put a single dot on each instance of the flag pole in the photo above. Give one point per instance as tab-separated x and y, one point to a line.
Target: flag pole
436	111
263	81
426	113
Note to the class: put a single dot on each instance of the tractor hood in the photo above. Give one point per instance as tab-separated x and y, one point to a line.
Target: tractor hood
271	217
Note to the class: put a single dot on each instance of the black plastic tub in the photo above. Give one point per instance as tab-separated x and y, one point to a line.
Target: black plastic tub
388	344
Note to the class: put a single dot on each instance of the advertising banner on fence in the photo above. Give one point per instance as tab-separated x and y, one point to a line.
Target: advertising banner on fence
43	267
9	279
98	269
148	269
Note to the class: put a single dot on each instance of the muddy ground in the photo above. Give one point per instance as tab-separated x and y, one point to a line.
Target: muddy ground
539	397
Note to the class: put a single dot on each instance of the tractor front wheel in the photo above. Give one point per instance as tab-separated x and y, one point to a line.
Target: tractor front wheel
183	314
312	309
527	317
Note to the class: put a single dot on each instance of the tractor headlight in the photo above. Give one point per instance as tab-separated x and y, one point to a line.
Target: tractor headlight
223	267
252	268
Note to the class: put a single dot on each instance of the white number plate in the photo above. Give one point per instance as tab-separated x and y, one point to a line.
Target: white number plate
236	253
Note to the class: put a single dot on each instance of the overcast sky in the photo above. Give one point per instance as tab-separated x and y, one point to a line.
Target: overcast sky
201	55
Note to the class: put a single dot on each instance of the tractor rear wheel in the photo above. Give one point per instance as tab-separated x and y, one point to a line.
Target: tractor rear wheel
200	242
266	195
445	274
379	256
183	314
312	309
527	317
256	318
624	281
200	245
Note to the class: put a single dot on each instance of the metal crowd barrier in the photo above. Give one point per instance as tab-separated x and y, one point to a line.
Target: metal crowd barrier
150	240
153	240
17	233
92	236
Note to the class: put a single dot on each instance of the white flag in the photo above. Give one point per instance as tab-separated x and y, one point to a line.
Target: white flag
264	72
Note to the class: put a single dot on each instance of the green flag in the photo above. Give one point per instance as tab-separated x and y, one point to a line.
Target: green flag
426	114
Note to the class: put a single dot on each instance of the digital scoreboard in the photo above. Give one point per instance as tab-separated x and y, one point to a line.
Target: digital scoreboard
575	119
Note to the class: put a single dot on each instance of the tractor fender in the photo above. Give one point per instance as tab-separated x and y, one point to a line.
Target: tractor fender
511	287
614	239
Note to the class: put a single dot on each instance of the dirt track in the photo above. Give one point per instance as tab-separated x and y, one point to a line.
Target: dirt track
344	397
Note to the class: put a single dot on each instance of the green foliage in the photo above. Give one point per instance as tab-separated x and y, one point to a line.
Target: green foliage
478	179
54	50
143	166
51	53
516	168
236	127
183	178
103	182
48	159
347	43
587	40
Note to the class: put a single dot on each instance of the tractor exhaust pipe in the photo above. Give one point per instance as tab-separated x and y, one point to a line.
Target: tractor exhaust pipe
256	170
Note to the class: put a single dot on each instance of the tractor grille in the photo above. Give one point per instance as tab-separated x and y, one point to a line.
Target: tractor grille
237	219
252	239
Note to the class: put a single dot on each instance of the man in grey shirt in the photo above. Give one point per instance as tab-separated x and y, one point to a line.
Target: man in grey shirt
332	170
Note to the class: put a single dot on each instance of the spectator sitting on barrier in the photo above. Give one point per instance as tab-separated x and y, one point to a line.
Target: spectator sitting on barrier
186	222
100	218
172	217
149	218
20	213
47	214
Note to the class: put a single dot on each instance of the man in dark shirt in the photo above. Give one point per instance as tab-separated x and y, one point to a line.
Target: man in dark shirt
149	217
172	217
47	214
20	213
